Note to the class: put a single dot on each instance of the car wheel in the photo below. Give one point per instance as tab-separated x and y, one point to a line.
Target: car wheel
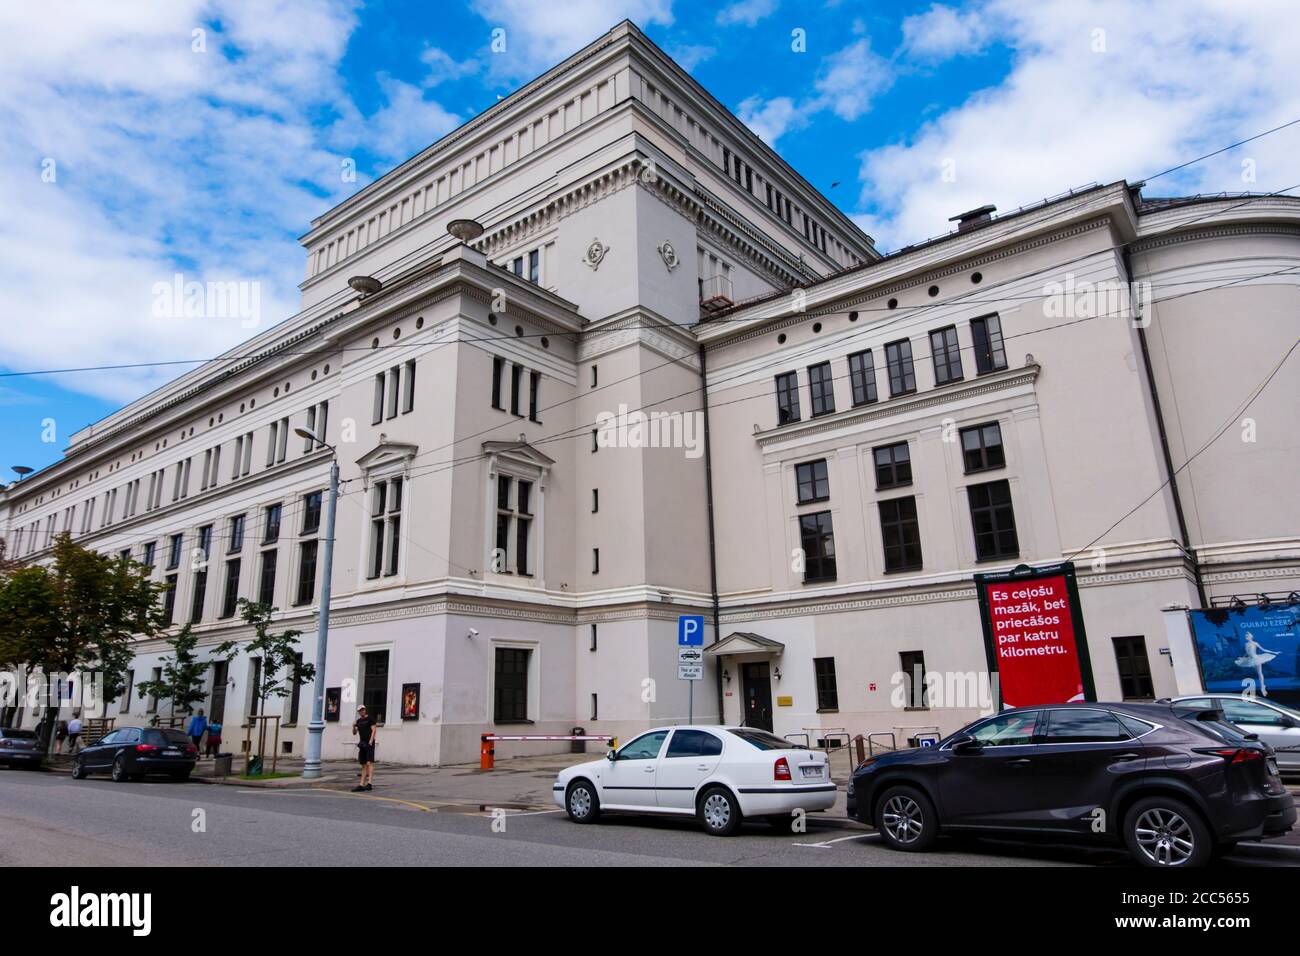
119	770
1164	832
719	811
906	819
78	771
581	802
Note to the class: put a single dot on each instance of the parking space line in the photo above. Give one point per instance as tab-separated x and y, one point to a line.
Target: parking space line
827	844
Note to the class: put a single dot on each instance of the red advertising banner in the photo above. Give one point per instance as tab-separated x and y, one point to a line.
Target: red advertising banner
1034	635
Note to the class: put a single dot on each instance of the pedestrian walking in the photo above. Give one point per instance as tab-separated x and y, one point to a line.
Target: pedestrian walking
74	734
60	735
367	732
214	738
198	724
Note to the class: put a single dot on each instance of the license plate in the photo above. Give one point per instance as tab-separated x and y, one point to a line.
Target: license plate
1272	766
171	751
812	771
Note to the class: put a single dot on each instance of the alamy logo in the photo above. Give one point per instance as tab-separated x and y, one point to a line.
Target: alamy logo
636	429
73	909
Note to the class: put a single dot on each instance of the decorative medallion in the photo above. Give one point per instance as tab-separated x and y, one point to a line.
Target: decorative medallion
668	254
595	253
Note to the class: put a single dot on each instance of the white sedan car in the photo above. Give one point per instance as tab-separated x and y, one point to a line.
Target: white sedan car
719	775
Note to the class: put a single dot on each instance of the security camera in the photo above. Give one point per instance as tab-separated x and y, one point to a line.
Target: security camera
473	632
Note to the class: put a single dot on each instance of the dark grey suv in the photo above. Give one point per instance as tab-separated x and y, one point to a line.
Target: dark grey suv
1175	786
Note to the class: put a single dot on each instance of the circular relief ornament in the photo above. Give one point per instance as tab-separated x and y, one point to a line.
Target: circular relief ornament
595	253
668	254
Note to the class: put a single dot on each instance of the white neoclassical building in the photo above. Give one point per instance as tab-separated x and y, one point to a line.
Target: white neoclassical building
840	440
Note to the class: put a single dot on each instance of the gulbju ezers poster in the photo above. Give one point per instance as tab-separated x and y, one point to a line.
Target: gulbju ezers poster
1034	636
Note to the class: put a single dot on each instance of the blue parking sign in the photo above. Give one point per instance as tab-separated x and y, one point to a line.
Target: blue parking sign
690	630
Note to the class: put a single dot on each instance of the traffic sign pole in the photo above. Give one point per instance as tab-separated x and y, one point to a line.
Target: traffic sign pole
690	662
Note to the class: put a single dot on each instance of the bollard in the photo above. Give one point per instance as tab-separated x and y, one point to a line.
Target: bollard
486	753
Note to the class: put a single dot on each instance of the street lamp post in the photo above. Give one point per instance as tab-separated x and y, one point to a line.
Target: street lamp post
315	729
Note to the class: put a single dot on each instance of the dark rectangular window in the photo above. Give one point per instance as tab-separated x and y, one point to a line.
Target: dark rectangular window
272	524
522	528
174	544
595	560
408	390
377	412
990	355
149	550
594	376
374	684
946	355
912	664
518	265
993	520
893	466
1134	668
295	692
236	542
169	599
811	481
901	534
902	376
311	512
862	376
787	398
981	448
535	266
516	383
200	594
230	597
595	500
822	387
534	387
266	581
593	637
498	368
818	543
306	572
595	439
594	709
510	690
828	694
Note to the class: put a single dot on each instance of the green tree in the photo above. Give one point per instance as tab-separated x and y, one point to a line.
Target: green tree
280	671
183	676
81	612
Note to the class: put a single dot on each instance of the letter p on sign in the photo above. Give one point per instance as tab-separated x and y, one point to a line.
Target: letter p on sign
690	630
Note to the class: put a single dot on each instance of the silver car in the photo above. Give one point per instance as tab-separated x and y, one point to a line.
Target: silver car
1275	724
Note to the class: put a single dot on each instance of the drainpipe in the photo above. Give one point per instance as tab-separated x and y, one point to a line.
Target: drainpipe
1164	444
713	550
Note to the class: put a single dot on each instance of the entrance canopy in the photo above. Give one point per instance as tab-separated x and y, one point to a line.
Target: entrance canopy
744	642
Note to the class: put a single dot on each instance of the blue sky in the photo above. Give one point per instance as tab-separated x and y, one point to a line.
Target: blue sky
144	140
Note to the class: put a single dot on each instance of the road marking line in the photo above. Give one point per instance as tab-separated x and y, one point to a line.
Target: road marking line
524	813
364	796
827	844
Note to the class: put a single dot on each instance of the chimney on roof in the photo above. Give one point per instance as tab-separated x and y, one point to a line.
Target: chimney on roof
974	218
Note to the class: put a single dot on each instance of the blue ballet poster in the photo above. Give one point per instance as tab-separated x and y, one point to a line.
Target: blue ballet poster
1250	650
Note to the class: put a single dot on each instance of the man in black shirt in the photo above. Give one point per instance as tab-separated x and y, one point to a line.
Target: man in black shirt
367	730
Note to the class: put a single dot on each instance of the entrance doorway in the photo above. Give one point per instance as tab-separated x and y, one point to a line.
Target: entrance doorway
756	685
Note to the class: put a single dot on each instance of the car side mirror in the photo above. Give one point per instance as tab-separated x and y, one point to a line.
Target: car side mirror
966	744
611	755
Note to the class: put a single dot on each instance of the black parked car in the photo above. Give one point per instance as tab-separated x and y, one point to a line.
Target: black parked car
131	752
1173	785
20	748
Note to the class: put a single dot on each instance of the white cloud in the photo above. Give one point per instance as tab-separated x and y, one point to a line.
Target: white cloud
689	57
165	160
847	82
1173	80
943	32
537	39
443	68
771	119
406	123
748	12
851	78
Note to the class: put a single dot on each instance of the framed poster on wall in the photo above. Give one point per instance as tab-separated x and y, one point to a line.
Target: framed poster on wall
1249	650
410	701
1034	638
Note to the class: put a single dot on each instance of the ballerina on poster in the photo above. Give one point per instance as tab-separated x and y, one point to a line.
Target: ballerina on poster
1256	657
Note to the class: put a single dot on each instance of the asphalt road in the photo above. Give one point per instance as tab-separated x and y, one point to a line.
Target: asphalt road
50	819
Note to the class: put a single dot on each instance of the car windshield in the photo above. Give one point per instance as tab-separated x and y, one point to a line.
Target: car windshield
14	733
765	741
